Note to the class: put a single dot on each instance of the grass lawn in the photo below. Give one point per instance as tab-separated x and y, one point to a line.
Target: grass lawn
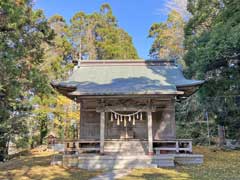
218	165
36	166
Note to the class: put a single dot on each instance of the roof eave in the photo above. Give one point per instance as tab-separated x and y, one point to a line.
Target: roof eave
77	93
190	89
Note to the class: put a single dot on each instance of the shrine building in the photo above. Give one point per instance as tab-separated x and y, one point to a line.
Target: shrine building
127	108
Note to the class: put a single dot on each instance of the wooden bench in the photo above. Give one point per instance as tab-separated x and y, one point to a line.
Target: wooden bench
173	145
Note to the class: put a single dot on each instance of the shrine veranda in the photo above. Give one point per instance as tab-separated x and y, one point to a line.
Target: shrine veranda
127	109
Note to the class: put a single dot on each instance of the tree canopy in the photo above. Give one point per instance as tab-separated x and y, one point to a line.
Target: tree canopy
207	44
168	38
22	33
34	51
97	36
212	40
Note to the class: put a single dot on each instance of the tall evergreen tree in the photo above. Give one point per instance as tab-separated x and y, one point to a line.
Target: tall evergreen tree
168	38
82	35
58	54
97	36
212	42
56	65
22	33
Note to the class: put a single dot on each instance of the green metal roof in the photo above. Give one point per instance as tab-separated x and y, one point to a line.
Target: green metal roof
125	77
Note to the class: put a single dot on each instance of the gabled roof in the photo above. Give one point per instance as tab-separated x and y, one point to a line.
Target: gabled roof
126	77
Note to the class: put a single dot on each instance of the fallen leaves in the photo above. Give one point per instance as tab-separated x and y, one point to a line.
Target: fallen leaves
220	165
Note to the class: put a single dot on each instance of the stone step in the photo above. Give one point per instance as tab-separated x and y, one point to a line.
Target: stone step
126	145
126	153
123	146
124	149
116	165
118	161
125	142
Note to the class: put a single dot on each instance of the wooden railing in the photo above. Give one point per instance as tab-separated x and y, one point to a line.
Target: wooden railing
160	146
176	146
81	145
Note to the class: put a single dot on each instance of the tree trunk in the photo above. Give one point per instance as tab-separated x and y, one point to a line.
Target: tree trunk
3	150
43	129
221	135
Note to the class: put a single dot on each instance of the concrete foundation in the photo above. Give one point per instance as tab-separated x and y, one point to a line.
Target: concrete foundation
94	161
185	159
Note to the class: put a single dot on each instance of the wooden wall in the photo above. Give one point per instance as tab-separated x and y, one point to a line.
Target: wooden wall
89	125
113	131
163	124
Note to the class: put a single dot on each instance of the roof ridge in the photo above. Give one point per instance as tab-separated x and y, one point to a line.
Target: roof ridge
128	62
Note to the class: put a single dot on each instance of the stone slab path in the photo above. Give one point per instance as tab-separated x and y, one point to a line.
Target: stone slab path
112	175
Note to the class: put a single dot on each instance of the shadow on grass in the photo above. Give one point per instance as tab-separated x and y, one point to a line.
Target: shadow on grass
157	174
37	166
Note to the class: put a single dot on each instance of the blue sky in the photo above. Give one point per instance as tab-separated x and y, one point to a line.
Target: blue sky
134	16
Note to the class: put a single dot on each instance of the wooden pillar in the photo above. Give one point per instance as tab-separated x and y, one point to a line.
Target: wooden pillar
79	122
150	135
79	126
102	129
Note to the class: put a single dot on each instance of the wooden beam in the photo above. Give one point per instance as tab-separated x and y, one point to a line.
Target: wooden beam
89	109
142	96
125	108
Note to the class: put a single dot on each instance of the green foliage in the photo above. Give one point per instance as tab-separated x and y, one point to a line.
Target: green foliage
94	36
191	121
55	66
97	36
22	142
212	39
168	38
57	62
22	31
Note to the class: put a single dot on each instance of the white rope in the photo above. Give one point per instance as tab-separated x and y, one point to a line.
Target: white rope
123	117
125	114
